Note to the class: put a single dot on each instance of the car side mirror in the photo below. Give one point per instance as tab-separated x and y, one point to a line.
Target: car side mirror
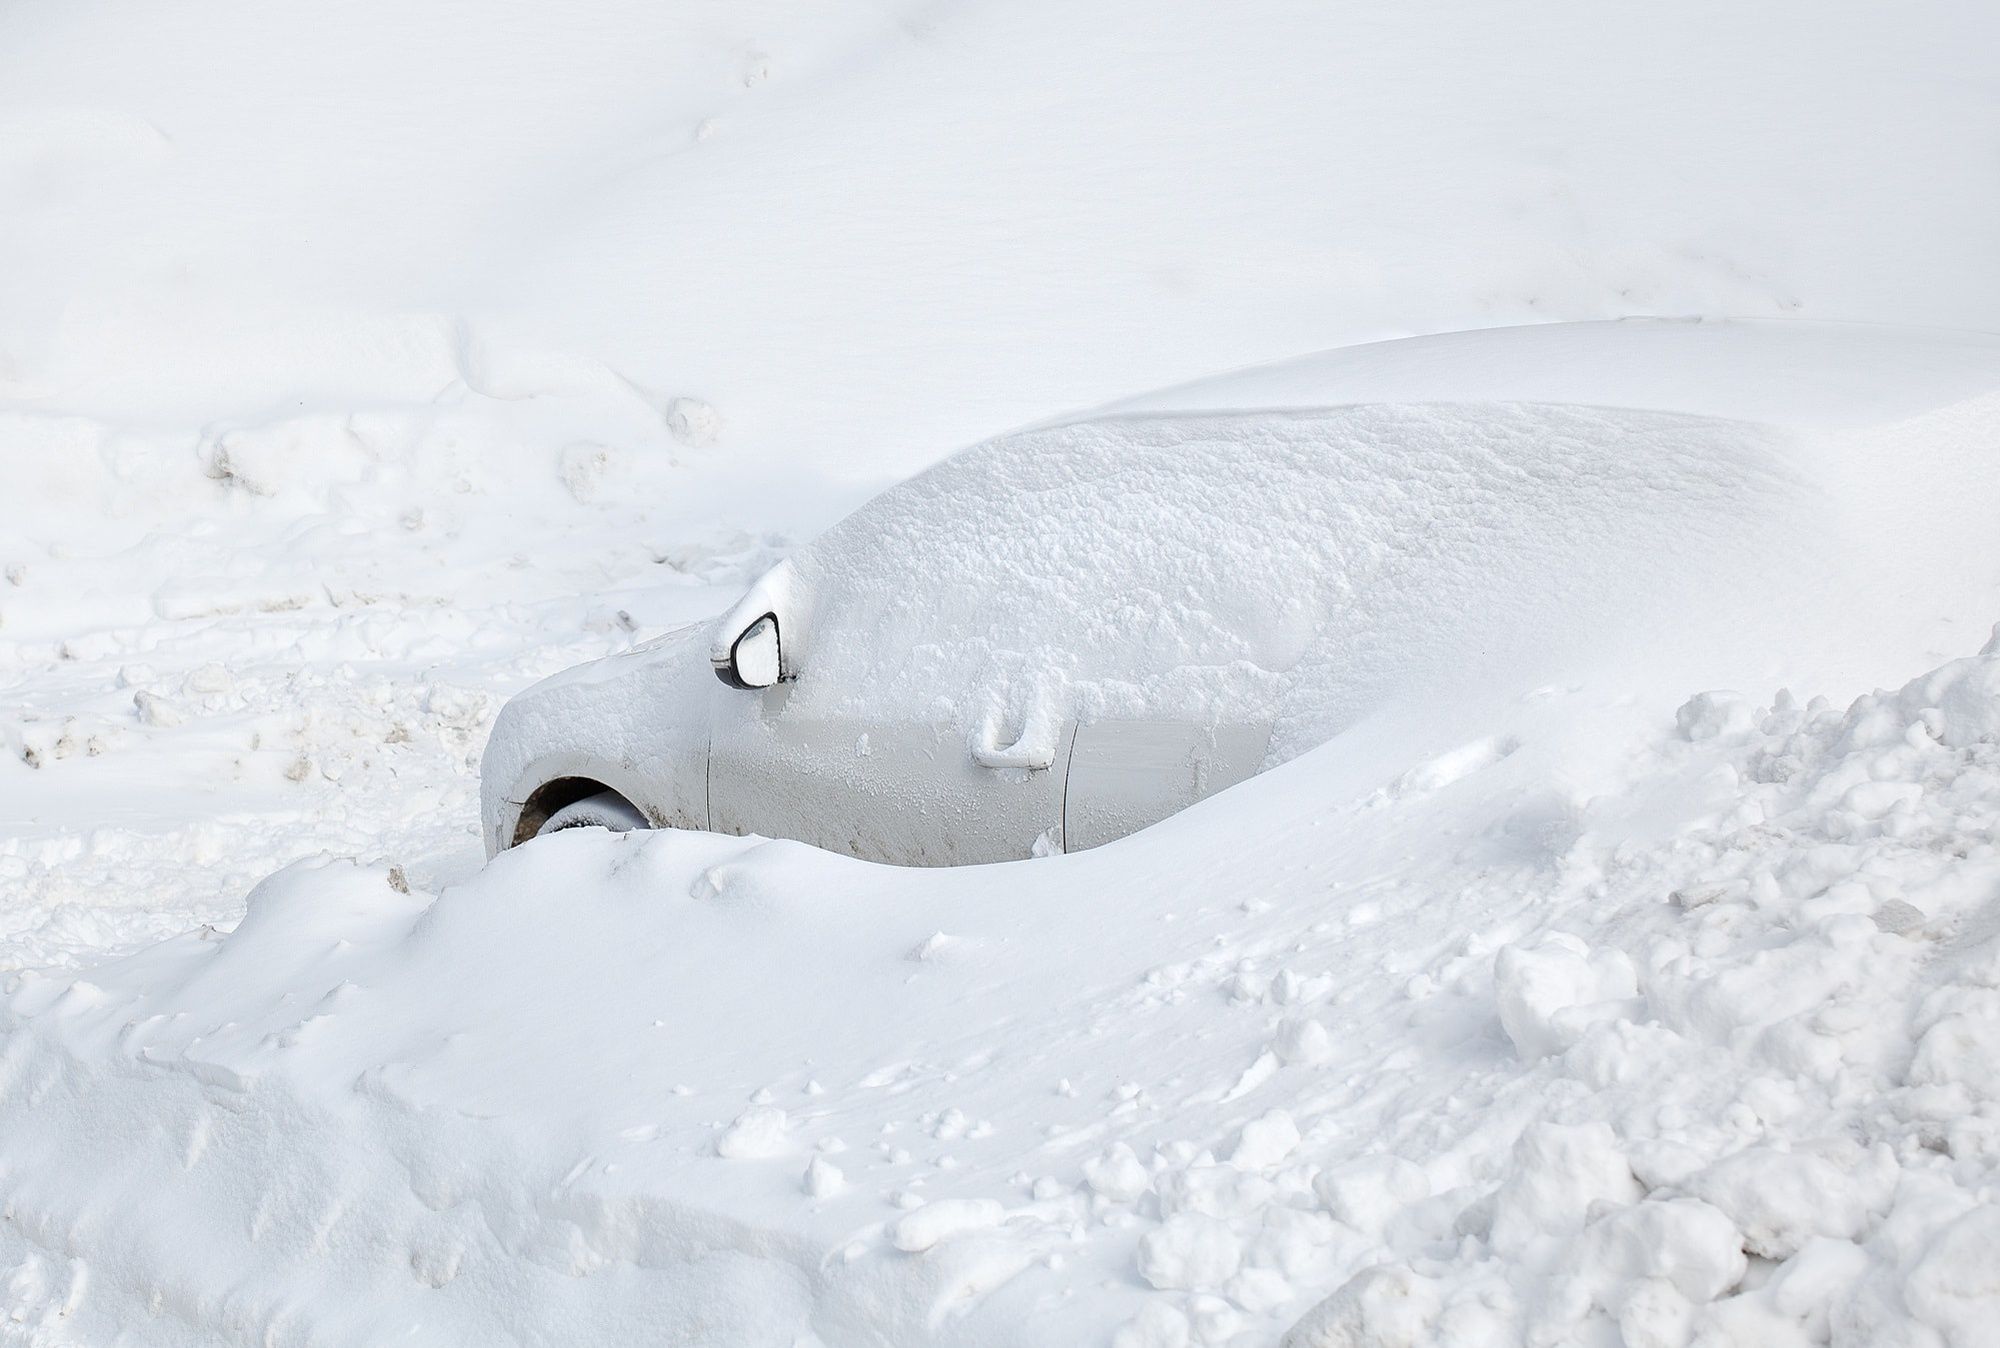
755	659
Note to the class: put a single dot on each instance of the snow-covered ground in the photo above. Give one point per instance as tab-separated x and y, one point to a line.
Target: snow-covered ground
361	363
1717	1053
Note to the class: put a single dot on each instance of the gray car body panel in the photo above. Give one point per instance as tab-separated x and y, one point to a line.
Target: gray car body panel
655	726
900	792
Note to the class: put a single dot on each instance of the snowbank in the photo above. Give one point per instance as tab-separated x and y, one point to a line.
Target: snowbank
362	362
1711	1058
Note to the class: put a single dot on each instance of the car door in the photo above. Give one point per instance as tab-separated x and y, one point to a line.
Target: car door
1125	775
912	792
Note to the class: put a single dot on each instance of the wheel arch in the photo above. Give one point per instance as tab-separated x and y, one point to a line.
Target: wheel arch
562	779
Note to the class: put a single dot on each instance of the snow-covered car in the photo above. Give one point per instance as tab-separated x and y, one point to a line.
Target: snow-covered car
916	687
1066	634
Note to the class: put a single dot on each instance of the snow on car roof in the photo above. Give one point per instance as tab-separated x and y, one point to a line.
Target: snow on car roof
1305	565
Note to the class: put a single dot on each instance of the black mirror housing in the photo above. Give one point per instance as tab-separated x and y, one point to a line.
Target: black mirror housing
756	657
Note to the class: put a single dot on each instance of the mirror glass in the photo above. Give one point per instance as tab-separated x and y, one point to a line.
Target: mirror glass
755	654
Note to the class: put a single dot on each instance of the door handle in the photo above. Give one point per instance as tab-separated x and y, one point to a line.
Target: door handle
1019	754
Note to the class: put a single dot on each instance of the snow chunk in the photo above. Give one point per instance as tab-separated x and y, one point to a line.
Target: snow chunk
1155	1326
1265	1141
1118	1174
1551	990
758	1132
932	947
1303	1039
823	1179
1188	1252
1707	716
1955	1287
693	422
1382	1307
1684	1241
1962	1047
1899	917
1214	1191
1367	1193
1259	1290
155	710
1560	1172
1971	706
1783	1199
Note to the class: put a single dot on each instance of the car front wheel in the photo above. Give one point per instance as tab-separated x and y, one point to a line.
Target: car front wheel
607	809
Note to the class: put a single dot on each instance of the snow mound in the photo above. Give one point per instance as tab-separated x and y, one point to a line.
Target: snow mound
1305	565
1719	1066
1317	568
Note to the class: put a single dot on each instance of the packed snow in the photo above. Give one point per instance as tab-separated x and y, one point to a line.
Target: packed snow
1621	969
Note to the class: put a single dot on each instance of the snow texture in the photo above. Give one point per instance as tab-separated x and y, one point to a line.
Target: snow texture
363	364
1680	1078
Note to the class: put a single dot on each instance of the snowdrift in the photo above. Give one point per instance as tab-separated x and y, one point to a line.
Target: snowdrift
1538	1001
1461	1057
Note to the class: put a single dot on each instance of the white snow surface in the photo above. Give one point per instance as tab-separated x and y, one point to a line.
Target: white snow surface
1712	1059
362	363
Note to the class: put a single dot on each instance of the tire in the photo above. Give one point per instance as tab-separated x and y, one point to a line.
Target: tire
606	809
